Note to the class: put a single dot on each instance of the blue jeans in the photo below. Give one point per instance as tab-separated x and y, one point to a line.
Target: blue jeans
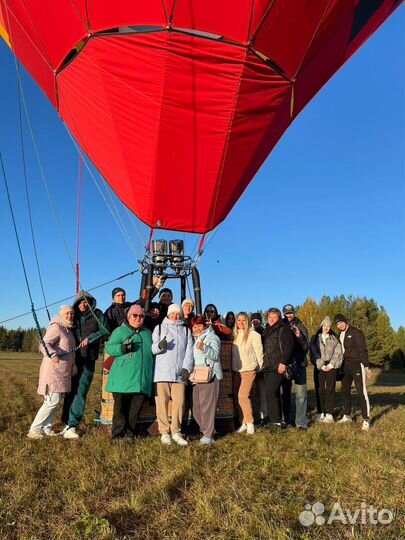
301	402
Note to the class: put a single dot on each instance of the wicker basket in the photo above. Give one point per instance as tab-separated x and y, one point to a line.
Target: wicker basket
226	355
147	413
225	387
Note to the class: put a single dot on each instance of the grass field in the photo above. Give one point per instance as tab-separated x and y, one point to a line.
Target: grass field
242	488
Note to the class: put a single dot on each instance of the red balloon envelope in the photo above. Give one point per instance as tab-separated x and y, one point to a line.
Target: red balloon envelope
179	102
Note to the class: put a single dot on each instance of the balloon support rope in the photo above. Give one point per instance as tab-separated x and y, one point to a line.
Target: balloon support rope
22	259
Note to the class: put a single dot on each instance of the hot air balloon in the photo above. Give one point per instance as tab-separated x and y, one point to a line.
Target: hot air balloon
187	93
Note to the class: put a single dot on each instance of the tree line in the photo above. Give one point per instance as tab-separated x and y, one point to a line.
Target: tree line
385	345
19	340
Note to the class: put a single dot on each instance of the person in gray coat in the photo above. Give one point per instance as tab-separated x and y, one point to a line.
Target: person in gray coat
172	343
207	347
327	357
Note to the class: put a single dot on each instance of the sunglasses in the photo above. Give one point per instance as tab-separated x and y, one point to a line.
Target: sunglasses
137	316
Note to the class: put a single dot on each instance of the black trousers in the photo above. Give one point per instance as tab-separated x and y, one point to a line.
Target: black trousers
316	384
327	390
126	412
354	371
272	381
286	403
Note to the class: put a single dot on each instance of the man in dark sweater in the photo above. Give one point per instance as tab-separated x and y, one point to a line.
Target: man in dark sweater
356	368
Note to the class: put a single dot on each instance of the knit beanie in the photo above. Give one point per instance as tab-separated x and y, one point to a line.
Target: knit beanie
174	308
117	290
340	318
326	321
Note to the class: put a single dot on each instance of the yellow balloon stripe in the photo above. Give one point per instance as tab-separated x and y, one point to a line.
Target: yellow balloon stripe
3	31
4	35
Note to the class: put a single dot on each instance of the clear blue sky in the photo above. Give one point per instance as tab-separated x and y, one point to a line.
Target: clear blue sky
324	215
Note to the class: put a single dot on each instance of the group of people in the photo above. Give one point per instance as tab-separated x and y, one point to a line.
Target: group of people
161	352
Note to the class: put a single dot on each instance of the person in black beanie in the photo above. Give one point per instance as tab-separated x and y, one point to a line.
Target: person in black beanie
258	396
356	368
256	322
116	314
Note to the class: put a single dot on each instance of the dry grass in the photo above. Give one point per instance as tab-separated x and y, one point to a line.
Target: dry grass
242	488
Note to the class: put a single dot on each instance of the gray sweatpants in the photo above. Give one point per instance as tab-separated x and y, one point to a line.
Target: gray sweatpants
47	412
205	399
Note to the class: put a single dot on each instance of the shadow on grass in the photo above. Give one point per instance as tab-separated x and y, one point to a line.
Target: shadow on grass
392	378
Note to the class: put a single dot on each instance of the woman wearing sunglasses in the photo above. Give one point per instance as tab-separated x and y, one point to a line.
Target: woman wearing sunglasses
213	319
131	375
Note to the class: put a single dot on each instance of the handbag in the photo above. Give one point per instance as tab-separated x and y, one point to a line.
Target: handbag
108	362
200	375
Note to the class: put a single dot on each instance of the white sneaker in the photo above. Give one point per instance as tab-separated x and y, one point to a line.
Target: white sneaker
207	440
49	432
178	438
328	419
35	434
345	419
242	429
319	418
250	429
71	433
366	425
166	439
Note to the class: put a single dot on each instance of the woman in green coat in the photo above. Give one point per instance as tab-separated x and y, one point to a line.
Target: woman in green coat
131	375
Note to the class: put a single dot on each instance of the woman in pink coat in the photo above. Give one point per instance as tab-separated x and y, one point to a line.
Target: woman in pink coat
55	374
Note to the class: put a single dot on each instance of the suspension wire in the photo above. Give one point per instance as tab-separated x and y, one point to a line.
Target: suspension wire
124	234
56	217
194	249
52	206
132	220
79	197
55	214
29	203
119	217
71	296
212	236
22	259
188	287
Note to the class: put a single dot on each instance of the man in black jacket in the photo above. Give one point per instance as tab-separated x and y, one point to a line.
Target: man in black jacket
116	314
91	327
301	346
278	344
356	368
